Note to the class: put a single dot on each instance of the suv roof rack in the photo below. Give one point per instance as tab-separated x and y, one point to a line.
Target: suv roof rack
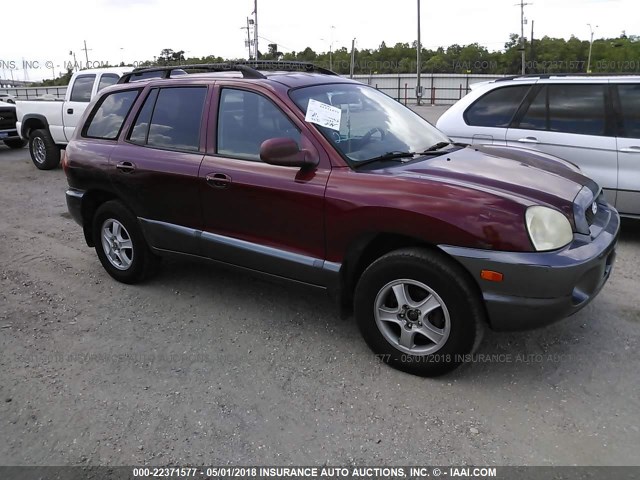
549	75
249	69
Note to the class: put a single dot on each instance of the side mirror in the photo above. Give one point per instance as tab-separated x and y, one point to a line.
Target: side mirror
285	152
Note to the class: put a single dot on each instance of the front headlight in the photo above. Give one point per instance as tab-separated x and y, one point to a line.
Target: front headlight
548	228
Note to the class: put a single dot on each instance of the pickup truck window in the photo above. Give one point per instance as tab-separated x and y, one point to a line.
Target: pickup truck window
175	121
81	91
107	118
245	120
107	79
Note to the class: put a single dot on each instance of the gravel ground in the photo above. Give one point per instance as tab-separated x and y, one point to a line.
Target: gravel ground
203	365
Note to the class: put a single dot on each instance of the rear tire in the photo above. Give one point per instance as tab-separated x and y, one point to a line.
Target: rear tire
45	154
17	143
120	244
419	311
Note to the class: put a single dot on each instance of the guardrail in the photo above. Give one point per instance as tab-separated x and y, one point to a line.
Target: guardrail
35	93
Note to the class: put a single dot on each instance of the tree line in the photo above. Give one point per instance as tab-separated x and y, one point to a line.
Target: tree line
544	55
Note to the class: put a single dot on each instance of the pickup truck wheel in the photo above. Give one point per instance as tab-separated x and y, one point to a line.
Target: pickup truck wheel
45	154
120	244
418	312
17	143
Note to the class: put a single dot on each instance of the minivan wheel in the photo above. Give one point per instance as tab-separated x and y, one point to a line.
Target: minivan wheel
418	311
45	154
120	244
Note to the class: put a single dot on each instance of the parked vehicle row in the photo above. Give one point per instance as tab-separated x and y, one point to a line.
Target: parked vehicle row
317	179
591	121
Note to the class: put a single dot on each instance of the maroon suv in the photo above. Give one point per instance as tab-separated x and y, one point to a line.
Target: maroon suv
310	177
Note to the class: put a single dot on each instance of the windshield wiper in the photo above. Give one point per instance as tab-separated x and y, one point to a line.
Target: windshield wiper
386	156
437	146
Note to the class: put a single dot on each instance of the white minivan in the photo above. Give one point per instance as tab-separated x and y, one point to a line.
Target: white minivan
591	121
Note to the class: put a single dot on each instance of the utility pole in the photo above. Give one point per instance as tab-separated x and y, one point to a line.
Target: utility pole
248	40
255	29
353	57
86	53
531	56
419	61
75	63
590	47
522	4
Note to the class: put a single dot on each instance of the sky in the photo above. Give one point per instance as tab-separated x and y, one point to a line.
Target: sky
137	30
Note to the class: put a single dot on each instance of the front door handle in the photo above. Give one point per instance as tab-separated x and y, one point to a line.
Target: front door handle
632	149
218	180
70	111
528	140
125	167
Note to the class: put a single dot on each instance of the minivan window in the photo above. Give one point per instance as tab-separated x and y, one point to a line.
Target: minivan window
107	79
577	108
107	119
630	104
81	91
245	120
176	118
496	108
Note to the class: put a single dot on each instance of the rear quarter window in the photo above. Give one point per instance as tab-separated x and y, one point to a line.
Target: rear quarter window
107	118
497	107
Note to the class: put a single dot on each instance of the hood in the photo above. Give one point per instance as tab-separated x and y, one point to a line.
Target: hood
526	175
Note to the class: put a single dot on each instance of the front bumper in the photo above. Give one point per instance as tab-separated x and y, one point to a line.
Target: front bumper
11	134
540	288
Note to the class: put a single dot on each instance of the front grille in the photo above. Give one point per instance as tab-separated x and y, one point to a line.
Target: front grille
7	118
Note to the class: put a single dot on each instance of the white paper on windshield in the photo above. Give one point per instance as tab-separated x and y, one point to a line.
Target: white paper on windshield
323	114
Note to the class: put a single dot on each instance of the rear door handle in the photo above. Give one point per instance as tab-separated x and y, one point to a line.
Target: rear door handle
528	140
70	111
126	167
632	149
218	180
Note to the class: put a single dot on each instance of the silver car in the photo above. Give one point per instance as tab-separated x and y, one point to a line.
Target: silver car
591	121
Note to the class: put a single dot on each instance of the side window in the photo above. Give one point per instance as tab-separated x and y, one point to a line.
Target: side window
497	107
107	119
535	117
81	91
577	109
630	103
245	120
170	118
107	79
141	126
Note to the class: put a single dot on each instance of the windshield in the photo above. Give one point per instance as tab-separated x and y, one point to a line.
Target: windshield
371	124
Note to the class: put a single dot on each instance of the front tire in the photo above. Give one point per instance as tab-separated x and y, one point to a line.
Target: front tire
45	154
418	311
120	244
16	143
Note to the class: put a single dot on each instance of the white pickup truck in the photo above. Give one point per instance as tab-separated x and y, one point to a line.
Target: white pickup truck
49	124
